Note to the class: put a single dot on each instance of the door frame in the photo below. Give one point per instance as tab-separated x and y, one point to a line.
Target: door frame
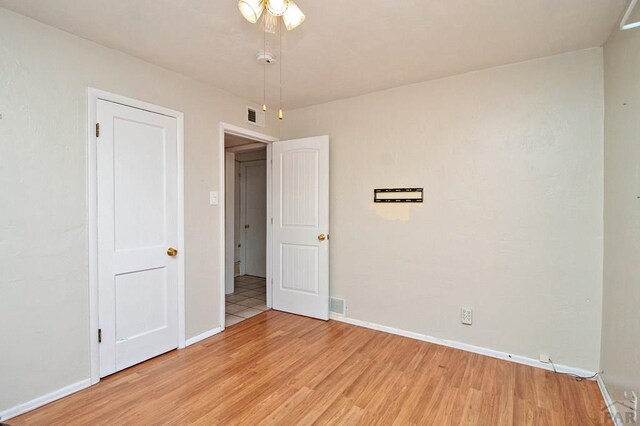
93	96
261	139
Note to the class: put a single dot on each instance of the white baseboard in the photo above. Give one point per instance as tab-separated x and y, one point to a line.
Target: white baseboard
75	387
43	400
464	346
205	335
613	411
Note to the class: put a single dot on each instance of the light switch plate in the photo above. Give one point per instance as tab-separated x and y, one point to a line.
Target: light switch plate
213	198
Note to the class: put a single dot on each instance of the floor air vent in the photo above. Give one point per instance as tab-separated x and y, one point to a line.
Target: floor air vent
337	306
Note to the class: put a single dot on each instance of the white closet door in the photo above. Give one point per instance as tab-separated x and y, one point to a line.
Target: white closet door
301	226
137	230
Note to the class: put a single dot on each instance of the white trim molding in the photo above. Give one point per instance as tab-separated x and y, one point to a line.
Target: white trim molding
624	24
202	336
44	400
464	346
93	95
613	411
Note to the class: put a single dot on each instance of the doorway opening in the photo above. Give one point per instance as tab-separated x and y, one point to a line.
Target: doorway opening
297	226
246	227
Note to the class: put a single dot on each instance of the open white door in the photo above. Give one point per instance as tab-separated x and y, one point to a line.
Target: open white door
301	226
138	231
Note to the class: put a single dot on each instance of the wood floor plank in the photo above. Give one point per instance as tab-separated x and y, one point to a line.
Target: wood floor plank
277	368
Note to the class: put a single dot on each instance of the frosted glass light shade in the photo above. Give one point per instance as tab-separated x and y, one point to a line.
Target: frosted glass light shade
251	9
270	22
277	7
293	16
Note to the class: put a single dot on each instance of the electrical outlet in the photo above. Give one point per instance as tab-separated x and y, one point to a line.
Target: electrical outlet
467	316
544	358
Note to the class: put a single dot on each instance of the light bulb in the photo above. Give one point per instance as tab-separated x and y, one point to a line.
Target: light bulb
277	7
251	9
293	17
270	23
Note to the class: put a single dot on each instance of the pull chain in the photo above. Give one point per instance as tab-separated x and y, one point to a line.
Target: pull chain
280	113
264	65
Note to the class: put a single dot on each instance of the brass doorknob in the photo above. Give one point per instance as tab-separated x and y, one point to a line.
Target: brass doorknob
172	252
322	237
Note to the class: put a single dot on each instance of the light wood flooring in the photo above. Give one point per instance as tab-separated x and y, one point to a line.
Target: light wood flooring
282	369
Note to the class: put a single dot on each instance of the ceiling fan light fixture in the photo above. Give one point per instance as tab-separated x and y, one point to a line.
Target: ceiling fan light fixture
270	22
293	16
277	7
251	9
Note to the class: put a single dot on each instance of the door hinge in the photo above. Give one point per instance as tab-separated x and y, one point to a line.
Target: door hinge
272	221
97	130
99	335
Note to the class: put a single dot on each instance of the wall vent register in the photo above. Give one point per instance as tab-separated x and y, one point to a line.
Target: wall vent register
337	306
251	115
255	116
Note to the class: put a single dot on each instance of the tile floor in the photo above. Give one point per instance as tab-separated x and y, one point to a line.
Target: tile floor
249	299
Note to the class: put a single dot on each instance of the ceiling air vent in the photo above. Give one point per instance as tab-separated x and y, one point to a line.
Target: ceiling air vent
255	116
337	306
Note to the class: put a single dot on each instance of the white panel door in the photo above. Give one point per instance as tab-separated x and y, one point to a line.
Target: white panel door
301	226
254	213
137	225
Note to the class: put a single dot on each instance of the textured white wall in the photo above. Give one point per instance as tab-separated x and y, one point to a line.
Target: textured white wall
511	159
621	323
44	76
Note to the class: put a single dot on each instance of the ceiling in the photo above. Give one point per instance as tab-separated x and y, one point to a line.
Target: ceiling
344	48
231	141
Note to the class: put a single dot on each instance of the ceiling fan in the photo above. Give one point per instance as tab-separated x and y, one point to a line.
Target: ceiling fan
291	14
292	17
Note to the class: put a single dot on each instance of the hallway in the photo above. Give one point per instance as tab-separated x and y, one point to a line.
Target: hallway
248	300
